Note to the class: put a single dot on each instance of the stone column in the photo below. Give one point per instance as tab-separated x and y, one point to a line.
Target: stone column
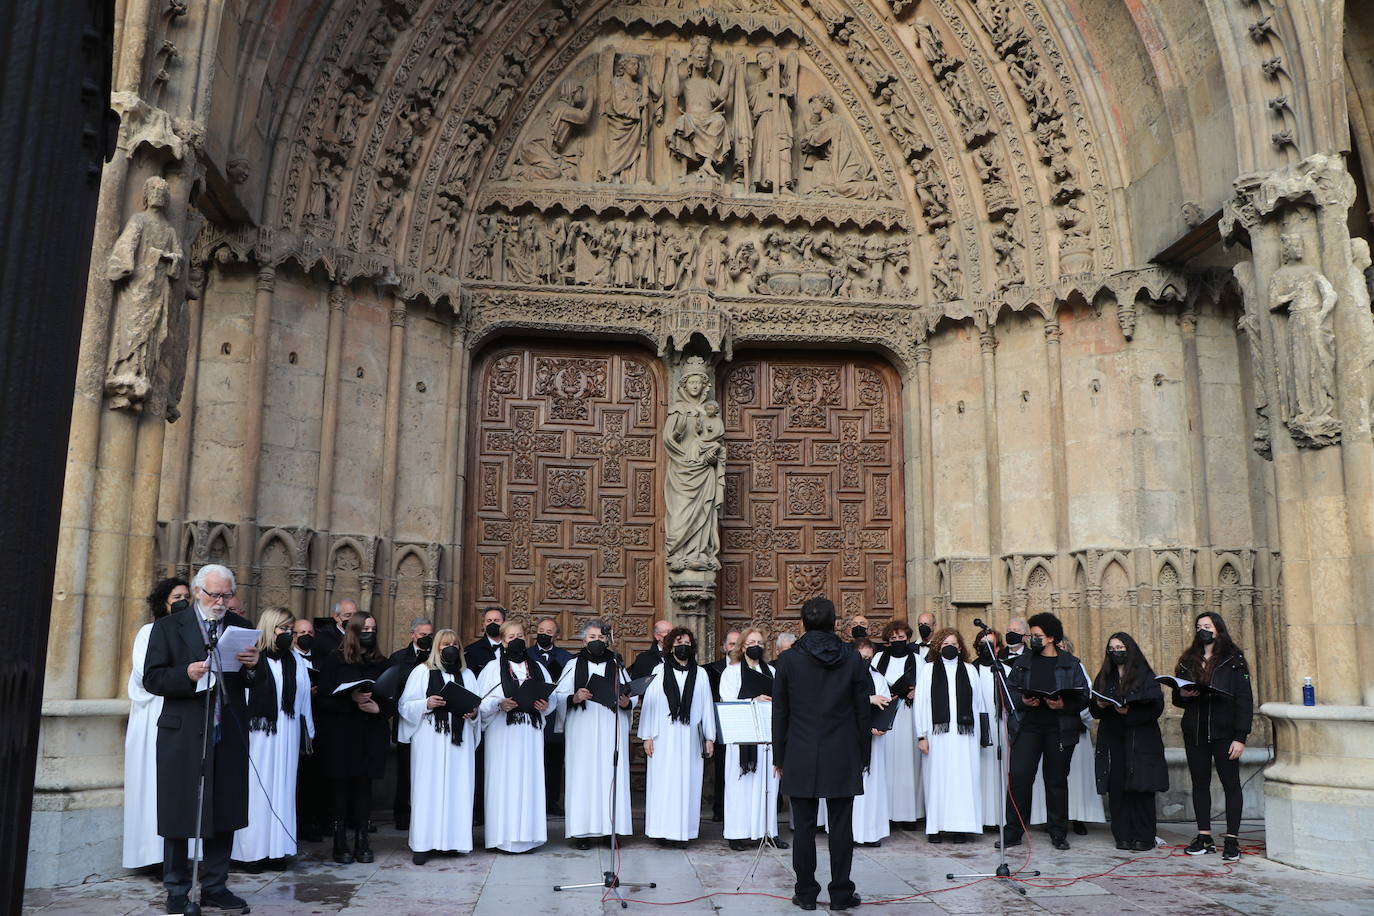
987	346
329	431
1060	477
176	471
455	463
391	435
255	401
1307	319
927	439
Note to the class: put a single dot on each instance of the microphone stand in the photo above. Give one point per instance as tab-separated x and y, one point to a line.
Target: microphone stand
195	849
1002	694
611	879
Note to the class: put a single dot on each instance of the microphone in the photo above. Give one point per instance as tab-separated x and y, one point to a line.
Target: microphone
978	622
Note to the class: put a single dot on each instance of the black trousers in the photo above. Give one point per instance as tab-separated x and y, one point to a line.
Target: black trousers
312	797
1036	743
400	805
1133	816
839	815
214	866
351	801
553	770
718	782
479	790
1201	759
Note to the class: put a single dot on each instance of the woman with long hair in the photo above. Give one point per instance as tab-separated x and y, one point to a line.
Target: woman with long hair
751	789
280	726
514	738
443	751
678	729
1217	716
1130	749
949	717
142	845
897	663
357	737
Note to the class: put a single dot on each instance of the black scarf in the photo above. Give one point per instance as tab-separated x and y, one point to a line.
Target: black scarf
443	717
910	668
581	672
508	685
749	753
679	702
939	699
262	694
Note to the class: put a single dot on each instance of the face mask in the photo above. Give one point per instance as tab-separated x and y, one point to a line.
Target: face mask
949	652
684	653
754	652
858	632
368	640
1014	638
425	643
180	604
305	642
515	649
924	630
1206	636
1116	656
545	640
493	630
451	658
597	648
898	649
282	642
1037	643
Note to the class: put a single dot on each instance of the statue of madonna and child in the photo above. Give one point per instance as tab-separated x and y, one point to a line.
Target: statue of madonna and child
694	438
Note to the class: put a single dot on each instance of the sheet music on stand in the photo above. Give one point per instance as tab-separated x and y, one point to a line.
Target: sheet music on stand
745	722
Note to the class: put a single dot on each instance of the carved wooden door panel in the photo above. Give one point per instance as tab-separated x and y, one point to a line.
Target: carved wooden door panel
813	490
565	492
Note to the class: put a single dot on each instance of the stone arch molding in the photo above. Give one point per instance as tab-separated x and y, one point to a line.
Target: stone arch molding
935	161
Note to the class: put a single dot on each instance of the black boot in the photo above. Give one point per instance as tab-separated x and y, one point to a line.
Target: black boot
362	851
341	853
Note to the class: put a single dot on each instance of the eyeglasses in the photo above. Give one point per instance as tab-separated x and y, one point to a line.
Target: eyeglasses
218	596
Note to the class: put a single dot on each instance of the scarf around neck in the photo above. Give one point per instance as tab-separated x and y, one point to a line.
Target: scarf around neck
679	699
749	753
262	694
939	699
582	672
443	716
908	668
508	685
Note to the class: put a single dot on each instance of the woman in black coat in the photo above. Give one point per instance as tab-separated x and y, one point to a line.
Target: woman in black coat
1130	748
357	736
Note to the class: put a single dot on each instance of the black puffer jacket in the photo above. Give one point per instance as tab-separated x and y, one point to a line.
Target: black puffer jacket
1218	717
1132	740
1068	674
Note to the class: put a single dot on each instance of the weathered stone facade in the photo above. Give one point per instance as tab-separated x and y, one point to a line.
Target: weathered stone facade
701	308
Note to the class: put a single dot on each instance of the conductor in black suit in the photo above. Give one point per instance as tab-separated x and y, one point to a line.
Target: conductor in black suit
821	744
175	666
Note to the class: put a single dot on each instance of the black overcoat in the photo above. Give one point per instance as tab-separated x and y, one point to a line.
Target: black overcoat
1132	741
355	743
175	642
1219	717
821	735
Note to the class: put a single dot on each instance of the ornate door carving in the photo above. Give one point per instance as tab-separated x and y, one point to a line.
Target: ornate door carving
564	501
813	490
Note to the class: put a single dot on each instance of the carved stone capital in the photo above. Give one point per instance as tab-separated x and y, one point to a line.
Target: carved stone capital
1053	332
1317	181
338	298
398	315
922	353
267	278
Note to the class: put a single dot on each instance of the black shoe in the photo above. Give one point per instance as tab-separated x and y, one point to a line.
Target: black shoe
420	858
225	901
780	843
1060	842
1010	842
582	843
853	901
738	845
341	854
1202	845
1122	844
177	903
1230	847
1079	827
935	837
874	845
362	850
959	837
253	868
803	904
1142	846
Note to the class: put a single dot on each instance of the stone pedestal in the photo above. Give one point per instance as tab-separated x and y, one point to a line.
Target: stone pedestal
1319	792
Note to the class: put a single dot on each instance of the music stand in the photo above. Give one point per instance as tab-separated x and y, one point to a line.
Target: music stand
766	839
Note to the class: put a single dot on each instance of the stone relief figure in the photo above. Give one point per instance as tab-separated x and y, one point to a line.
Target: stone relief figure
632	104
482	256
831	155
556	155
352	105
324	190
694	440
521	250
144	261
704	88
444	231
771	96
1006	251
1309	383
381	229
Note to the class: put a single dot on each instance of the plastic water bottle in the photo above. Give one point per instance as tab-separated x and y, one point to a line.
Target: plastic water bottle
1309	693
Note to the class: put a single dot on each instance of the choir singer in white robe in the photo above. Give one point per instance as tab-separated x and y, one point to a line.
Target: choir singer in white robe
751	788
594	739
994	794
949	706
903	761
678	728
443	752
278	715
514	747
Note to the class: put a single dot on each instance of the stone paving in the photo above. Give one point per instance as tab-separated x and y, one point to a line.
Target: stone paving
906	866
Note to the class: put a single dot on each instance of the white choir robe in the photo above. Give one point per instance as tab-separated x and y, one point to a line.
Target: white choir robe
903	762
274	762
870	809
1084	802
951	772
672	804
443	776
588	744
994	796
142	845
751	799
514	787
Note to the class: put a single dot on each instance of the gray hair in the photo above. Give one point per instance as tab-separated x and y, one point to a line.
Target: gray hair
214	569
1021	620
338	604
594	622
418	622
786	639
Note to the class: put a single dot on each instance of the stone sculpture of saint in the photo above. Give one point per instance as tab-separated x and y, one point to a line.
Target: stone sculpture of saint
771	98
632	105
694	439
1310	387
144	261
701	135
830	153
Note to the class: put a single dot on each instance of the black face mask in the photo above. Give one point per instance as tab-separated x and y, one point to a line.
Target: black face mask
924	630
425	643
1116	656
367	640
1037	643
493	631
451	658
949	652
282	642
898	648
597	649
545	640
305	642
1014	638
515	649
1206	636
684	653
754	652
180	604
858	632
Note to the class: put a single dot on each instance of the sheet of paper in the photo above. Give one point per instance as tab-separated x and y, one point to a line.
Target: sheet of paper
231	642
745	722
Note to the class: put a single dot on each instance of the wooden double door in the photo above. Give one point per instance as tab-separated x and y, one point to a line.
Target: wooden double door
565	498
